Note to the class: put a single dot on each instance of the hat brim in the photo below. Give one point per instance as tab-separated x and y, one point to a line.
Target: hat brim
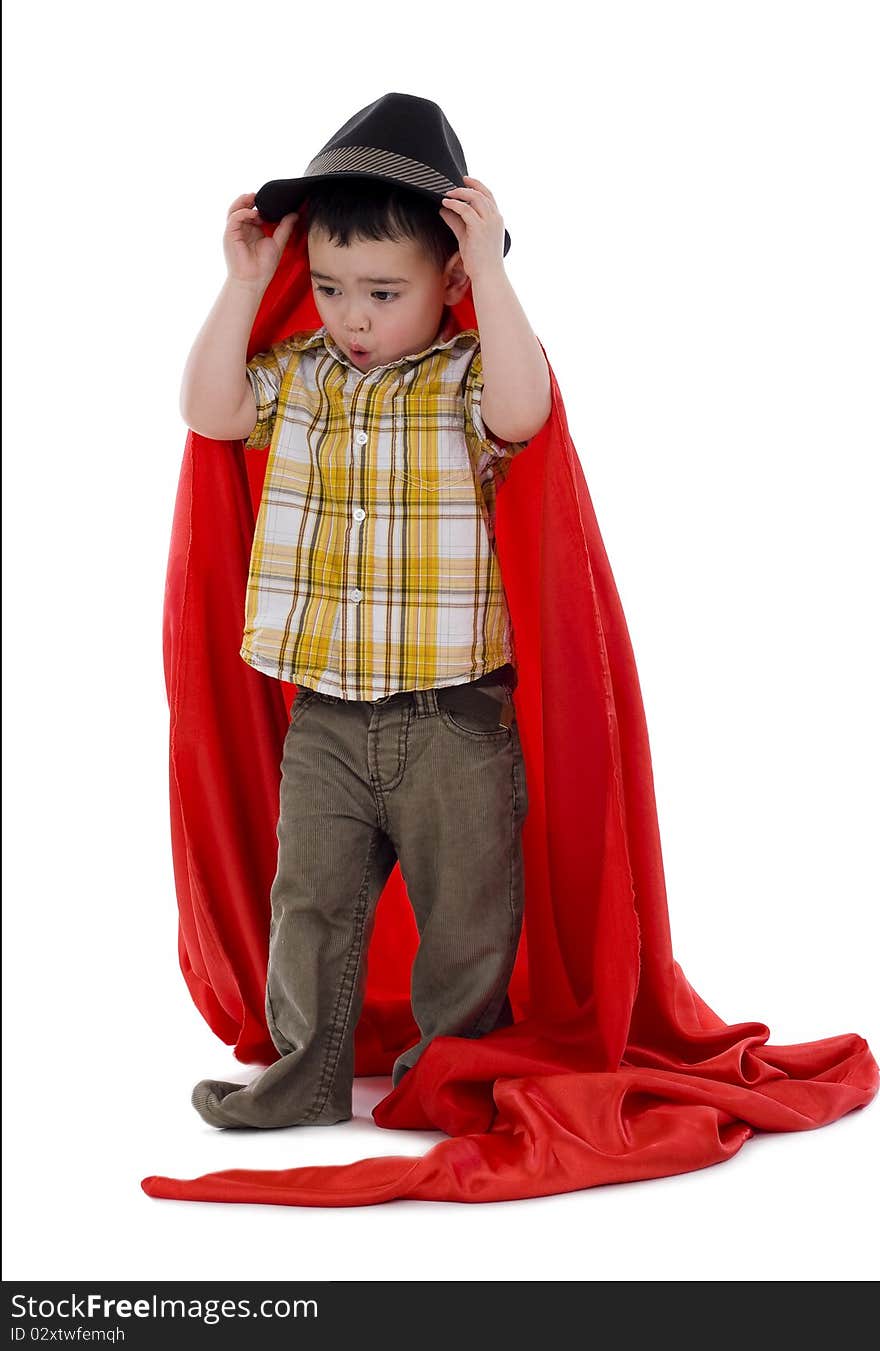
280	196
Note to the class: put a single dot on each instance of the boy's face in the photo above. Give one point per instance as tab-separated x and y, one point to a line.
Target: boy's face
385	296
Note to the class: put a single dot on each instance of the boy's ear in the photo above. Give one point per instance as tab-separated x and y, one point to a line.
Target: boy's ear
457	279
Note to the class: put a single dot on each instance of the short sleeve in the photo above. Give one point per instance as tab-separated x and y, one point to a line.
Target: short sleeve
266	371
473	397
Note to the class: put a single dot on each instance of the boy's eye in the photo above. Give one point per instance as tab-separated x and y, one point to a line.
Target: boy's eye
329	289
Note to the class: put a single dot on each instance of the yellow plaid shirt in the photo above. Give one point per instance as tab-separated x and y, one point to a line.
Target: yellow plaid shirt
373	567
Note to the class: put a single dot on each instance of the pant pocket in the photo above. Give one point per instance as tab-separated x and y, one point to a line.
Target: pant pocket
485	712
303	698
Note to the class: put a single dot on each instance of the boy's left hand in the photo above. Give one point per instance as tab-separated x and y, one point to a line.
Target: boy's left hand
477	224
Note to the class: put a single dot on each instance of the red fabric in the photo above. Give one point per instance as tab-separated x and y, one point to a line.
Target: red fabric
615	1068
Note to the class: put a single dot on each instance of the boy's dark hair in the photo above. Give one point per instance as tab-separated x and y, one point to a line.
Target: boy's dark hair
359	208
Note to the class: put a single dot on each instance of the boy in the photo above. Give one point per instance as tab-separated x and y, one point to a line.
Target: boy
374	588
615	1069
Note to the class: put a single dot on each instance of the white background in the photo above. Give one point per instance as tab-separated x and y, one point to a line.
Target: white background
692	195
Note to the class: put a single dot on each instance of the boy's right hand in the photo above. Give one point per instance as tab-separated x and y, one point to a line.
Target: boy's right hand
251	255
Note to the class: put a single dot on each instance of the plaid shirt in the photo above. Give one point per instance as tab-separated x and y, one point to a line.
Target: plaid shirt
373	568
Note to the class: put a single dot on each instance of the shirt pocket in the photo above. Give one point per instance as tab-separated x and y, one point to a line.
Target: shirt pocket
430	449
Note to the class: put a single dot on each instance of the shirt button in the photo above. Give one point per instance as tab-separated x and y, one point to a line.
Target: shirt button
359	513
356	594
361	438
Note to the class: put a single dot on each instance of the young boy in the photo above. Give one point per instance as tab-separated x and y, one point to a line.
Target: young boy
375	590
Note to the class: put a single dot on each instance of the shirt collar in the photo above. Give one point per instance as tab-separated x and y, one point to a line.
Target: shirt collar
448	335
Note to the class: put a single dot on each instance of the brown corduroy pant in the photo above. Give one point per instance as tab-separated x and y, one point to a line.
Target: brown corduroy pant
436	779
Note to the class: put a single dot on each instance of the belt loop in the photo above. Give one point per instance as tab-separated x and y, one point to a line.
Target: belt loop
426	702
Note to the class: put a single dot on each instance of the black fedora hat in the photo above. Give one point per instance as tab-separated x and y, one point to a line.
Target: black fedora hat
399	138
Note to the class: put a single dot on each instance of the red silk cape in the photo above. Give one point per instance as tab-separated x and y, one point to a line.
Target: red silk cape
615	1068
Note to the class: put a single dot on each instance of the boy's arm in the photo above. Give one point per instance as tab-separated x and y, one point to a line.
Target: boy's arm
500	449
516	398
216	396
